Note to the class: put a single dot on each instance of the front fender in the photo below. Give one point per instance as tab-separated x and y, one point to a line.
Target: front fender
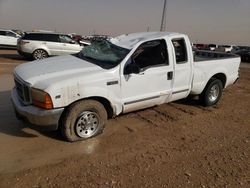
63	97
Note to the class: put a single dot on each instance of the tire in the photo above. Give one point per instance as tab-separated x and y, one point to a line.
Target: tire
212	92
39	54
18	116
83	120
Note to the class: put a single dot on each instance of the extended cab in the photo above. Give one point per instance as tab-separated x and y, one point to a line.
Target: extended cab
78	93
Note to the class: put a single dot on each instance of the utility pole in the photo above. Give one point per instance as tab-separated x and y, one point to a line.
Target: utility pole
148	29
163	18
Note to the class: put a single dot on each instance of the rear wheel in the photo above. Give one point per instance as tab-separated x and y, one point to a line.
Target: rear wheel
83	120
39	54
212	92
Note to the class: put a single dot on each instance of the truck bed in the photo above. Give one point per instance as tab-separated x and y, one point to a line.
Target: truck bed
202	55
207	64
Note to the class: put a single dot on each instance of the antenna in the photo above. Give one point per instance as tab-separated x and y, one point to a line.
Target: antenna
163	18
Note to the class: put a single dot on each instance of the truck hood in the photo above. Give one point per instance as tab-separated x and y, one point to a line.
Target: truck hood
55	68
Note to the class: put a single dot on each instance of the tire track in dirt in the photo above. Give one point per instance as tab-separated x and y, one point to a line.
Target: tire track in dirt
189	112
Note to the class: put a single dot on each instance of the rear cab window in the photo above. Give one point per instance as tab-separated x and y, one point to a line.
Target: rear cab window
180	49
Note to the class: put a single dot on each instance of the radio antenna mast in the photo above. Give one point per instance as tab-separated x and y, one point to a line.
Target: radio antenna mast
163	18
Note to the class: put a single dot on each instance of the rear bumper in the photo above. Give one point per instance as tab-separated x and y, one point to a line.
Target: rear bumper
25	54
39	118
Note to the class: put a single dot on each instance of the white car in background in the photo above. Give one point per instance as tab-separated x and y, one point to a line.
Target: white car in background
40	45
225	48
212	47
8	38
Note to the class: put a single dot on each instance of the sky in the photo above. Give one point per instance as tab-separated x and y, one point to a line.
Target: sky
205	21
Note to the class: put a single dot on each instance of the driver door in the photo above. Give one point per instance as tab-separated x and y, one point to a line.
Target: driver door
147	77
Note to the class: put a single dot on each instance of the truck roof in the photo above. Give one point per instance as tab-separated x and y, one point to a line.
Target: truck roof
130	40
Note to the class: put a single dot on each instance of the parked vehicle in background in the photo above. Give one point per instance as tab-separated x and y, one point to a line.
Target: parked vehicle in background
84	43
77	93
212	47
19	32
8	38
75	37
40	45
237	49
95	37
201	46
225	48
244	54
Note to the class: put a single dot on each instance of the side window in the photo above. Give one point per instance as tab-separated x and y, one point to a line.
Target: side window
51	37
150	54
33	36
180	50
10	34
3	33
65	39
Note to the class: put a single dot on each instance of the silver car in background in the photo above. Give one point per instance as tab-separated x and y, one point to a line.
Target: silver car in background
39	45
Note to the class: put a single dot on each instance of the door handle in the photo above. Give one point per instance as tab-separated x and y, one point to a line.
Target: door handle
170	75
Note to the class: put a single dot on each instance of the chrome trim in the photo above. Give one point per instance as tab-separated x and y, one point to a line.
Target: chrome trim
181	91
25	88
140	100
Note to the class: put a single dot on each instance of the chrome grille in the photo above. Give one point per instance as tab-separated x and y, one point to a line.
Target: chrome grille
23	90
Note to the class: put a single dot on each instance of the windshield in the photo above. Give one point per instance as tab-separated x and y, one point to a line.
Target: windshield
104	53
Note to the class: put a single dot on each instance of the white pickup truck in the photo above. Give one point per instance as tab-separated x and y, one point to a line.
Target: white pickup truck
78	93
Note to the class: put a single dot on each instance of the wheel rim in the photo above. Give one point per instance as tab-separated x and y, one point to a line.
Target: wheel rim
40	54
87	124
214	93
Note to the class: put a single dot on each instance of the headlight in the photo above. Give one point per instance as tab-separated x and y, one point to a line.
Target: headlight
41	99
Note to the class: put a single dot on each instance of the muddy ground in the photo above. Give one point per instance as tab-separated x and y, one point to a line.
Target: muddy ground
180	144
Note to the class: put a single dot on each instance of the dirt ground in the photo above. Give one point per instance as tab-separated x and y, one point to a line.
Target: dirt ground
180	144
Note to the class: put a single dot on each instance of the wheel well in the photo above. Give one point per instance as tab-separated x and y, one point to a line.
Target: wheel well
105	102
102	100
221	77
40	49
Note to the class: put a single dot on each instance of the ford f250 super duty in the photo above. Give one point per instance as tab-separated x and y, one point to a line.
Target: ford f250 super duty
78	93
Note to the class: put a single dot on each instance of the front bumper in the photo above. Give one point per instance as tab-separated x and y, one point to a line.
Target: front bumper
40	118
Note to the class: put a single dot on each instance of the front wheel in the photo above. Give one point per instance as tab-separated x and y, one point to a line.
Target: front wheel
212	92
83	120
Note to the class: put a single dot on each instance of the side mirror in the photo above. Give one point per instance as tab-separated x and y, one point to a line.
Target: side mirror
72	42
132	68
